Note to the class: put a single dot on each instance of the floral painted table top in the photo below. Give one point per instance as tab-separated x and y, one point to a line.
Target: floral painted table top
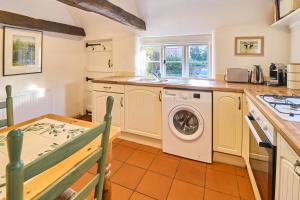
40	137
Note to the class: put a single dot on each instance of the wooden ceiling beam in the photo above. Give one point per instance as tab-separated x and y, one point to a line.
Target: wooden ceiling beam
107	9
14	19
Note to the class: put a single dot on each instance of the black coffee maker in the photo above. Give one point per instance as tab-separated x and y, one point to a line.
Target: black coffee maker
278	74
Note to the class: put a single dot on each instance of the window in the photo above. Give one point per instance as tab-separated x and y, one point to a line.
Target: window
198	62
151	56
190	60
173	61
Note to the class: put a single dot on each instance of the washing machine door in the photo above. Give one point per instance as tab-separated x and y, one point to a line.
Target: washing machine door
186	122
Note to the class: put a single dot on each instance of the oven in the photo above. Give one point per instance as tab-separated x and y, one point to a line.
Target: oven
262	156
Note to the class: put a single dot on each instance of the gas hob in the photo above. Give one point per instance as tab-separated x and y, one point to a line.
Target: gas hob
286	107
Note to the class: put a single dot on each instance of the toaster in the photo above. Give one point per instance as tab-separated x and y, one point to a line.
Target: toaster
237	75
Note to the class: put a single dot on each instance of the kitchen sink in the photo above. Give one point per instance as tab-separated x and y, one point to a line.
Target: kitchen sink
158	81
149	80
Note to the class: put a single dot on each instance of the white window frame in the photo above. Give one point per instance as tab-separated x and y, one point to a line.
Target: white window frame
185	62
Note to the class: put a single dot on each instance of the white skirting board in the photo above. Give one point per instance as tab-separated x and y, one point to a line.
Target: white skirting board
30	104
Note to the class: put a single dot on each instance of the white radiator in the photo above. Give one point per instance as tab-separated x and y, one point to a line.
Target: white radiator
30	104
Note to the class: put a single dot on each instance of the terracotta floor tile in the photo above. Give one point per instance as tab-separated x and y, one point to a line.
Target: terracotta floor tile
130	144
194	162
141	159
117	140
222	182
192	173
128	176
155	185
139	196
245	188
114	145
240	171
164	165
222	167
79	184
93	170
115	165
120	193
148	149
122	153
181	190
168	155
214	195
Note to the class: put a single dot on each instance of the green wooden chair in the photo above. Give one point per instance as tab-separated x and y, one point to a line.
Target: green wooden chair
8	104
17	173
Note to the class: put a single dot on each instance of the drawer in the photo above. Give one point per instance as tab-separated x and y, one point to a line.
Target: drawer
103	87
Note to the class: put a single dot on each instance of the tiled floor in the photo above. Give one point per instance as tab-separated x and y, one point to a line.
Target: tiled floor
145	173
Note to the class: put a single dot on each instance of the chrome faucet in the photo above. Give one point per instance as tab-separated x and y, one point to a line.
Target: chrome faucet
157	75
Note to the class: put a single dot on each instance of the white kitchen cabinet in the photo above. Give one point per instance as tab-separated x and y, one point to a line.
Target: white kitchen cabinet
99	108
143	111
227	122
288	172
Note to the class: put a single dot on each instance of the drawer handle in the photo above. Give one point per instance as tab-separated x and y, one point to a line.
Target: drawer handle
121	102
240	103
297	167
106	87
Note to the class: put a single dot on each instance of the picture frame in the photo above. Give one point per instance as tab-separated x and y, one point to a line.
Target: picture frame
249	46
22	51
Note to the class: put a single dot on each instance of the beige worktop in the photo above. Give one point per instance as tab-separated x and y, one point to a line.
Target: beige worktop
289	130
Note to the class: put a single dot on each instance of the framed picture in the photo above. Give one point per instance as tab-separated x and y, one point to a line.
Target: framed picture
249	46
22	51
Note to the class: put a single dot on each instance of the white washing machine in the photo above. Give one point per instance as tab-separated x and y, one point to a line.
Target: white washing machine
187	124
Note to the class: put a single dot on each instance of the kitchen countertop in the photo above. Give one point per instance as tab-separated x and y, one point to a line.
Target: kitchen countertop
181	84
289	130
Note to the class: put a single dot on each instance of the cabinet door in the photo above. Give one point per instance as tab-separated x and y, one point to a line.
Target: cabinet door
228	122
99	108
143	111
288	181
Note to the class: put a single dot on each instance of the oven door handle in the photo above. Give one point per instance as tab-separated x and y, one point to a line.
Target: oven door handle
249	119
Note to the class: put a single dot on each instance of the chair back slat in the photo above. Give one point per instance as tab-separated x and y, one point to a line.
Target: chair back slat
3	123
2	105
56	156
86	190
59	186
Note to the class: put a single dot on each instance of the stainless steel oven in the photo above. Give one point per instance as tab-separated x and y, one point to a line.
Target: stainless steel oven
262	156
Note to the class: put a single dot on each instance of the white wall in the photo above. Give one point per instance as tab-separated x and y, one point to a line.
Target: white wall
295	44
277	47
62	59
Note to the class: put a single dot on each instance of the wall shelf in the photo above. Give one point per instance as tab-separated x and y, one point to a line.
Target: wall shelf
288	21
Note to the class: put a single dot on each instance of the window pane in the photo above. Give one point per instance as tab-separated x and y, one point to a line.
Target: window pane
174	53
152	67
152	53
173	60
198	61
174	69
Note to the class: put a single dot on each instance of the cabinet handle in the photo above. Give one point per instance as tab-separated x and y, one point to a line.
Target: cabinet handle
240	103
109	64
121	102
106	87
297	167
160	96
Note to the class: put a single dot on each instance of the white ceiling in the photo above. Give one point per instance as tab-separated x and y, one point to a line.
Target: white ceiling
162	17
